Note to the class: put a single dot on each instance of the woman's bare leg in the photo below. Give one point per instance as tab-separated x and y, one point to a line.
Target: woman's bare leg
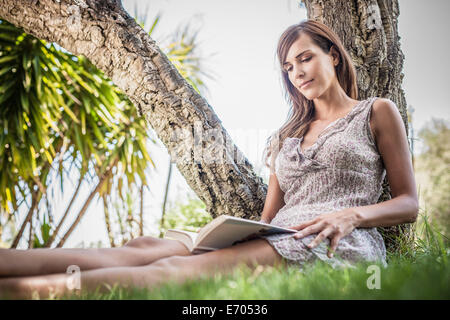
175	268
139	251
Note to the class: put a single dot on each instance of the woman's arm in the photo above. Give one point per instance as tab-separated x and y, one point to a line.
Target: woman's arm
392	144
274	199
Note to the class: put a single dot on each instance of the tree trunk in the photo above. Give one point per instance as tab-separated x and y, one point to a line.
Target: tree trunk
108	221
63	218
36	195
30	233
35	198
184	121
369	32
102	179
141	210
166	193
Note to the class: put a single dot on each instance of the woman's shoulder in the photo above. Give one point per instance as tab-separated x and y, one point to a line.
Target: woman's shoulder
380	102
383	112
384	107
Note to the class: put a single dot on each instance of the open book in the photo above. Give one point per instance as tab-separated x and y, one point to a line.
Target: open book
222	232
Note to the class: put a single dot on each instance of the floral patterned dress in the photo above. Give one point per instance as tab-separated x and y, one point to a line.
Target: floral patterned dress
342	169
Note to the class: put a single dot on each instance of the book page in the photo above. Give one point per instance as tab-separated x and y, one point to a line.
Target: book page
186	237
234	229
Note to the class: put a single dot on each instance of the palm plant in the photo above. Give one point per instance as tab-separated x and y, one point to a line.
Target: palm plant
56	109
57	105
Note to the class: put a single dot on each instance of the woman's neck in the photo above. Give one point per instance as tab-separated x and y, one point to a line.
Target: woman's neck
332	104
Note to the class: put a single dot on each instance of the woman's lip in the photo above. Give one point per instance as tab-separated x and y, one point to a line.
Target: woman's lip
306	83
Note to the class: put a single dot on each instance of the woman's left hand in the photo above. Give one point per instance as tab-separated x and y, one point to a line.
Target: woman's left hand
335	226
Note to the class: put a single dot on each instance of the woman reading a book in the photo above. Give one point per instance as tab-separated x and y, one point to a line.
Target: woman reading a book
327	164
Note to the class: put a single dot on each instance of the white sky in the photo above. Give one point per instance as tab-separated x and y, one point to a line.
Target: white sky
246	94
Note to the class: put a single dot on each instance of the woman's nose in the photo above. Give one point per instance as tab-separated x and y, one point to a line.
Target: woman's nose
298	72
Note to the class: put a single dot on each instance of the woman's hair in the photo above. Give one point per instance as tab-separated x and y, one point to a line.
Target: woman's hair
302	110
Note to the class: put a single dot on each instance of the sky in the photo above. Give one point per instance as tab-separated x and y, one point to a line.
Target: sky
238	40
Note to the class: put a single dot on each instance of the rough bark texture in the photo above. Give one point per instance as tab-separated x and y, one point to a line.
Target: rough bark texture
369	32
187	125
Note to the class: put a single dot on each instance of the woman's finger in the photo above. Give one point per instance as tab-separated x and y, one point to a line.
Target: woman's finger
333	245
309	230
320	237
304	225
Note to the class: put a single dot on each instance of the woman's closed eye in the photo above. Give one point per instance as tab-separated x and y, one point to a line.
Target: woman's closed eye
304	60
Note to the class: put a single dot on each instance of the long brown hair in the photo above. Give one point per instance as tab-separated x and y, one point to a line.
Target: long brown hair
302	110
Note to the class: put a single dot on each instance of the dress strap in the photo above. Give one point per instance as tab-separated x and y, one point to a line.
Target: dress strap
367	115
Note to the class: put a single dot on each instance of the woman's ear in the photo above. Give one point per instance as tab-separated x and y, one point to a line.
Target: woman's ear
335	55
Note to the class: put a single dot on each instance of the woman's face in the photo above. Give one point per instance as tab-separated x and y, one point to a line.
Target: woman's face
305	61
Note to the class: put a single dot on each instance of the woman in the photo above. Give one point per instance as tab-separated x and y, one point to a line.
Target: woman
325	181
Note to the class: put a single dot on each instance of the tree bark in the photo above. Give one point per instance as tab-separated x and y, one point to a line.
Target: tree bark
369	31
183	120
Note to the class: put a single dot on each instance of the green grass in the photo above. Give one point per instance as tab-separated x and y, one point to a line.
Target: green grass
427	278
418	272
